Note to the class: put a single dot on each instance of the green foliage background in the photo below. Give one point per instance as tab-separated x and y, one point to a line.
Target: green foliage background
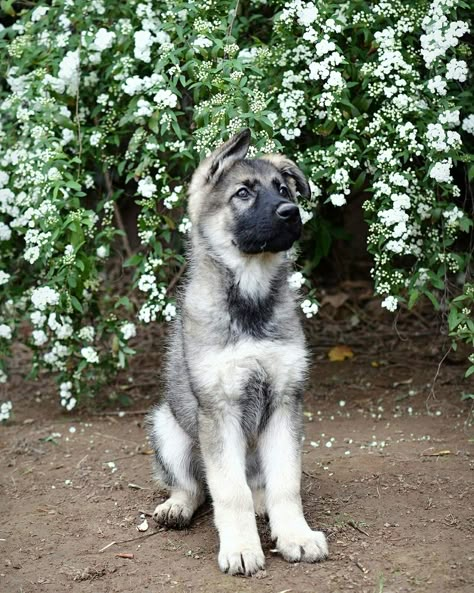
91	121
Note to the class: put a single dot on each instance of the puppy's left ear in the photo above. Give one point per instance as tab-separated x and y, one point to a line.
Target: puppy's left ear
233	150
293	175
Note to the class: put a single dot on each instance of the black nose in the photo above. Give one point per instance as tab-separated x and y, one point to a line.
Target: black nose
288	211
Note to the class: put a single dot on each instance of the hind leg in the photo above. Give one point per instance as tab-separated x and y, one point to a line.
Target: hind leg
176	469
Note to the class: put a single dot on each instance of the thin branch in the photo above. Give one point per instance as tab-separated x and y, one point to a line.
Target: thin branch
118	216
78	122
175	280
432	391
234	14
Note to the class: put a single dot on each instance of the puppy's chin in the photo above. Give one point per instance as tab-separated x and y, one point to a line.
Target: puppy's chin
276	244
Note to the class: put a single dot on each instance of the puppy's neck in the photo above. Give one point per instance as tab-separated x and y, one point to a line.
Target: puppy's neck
252	275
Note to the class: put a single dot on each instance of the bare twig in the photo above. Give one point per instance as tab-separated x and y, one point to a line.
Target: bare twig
354	525
432	391
118	216
122	413
78	123
234	14
176	278
107	546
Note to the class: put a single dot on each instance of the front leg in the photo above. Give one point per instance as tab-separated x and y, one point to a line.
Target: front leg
280	454
223	449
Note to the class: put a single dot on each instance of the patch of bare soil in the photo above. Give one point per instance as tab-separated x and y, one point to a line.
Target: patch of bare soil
388	475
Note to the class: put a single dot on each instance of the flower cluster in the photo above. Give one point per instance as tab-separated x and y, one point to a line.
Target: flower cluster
106	109
5	410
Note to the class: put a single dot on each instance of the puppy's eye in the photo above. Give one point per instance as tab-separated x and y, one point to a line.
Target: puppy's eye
284	191
243	193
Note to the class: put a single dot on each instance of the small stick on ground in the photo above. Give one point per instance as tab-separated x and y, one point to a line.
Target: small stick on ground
354	525
125	555
107	546
360	567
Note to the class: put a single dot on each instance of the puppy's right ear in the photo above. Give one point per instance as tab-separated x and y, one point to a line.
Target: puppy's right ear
233	150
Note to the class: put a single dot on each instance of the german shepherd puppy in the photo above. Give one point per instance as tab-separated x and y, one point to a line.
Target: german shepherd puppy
231	420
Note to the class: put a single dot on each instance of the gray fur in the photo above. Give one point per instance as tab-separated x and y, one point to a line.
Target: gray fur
237	358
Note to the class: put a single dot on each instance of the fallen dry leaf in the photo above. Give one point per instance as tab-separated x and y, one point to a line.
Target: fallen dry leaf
335	300
339	353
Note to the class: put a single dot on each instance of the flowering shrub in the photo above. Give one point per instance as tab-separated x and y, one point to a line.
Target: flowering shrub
107	103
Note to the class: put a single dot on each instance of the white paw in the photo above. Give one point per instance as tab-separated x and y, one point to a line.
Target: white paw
173	514
241	560
303	545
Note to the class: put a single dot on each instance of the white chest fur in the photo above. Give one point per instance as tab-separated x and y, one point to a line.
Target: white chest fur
223	372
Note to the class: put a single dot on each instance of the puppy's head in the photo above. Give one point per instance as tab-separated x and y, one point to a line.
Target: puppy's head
247	204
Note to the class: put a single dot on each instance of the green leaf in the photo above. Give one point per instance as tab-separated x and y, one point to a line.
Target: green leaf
414	296
469	371
76	304
133	261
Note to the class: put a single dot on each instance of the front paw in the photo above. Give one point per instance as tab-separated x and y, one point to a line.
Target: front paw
303	545
243	559
173	514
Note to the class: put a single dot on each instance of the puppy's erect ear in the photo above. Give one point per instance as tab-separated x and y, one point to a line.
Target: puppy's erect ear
294	176
234	149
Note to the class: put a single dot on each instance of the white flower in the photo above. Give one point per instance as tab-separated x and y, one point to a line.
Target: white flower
69	72
337	199
305	215
449	118
169	312
5	232
308	14
103	40
147	282
165	98
133	85
4	178
86	333
102	252
5	331
438	85
144	108
146	187
3	377
39	337
4	277
441	171
38	13
5	408
468	124
457	70
309	309
143	43
44	296
71	404
64	331
202	41
185	225
128	331
95	138
296	280
90	354
37	318
390	303
32	254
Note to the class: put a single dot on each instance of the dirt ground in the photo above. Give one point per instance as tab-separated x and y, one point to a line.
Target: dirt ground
388	475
